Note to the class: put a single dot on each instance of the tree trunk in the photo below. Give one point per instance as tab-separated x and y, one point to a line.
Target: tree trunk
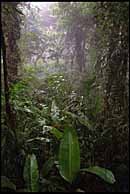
11	31
11	166
9	112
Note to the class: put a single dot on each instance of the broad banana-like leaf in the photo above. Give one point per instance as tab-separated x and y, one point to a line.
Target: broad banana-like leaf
69	155
103	173
31	174
6	183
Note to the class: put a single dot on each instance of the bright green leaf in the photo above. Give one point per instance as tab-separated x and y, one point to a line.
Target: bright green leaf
103	173
69	155
31	174
58	134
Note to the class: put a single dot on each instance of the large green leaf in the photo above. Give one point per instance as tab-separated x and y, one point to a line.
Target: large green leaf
69	155
6	183
58	134
31	174
103	173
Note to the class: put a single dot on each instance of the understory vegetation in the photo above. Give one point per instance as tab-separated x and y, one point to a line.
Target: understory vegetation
64	97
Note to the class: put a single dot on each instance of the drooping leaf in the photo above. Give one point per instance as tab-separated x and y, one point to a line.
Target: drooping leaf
6	183
84	122
47	166
103	173
38	139
3	141
27	110
31	174
69	155
58	134
71	114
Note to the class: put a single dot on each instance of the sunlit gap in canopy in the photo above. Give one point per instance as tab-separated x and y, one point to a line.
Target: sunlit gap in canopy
42	4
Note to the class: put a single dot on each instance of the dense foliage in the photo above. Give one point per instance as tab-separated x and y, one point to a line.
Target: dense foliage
65	97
